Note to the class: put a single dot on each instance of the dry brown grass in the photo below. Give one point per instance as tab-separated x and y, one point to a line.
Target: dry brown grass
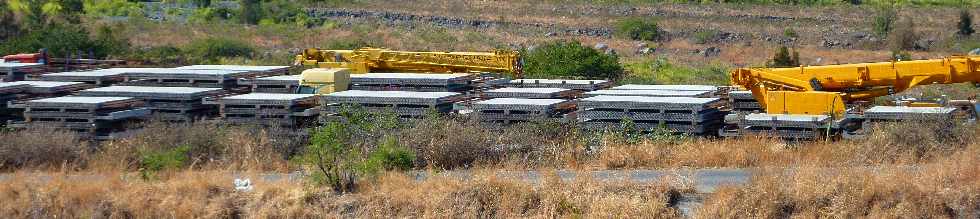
945	189
41	148
211	195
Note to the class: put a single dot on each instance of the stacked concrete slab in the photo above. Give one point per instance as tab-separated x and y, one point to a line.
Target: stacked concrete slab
51	88
176	104
101	77
583	85
10	92
901	113
412	82
509	110
680	114
19	71
649	93
785	125
743	101
260	70
285	84
531	93
404	103
270	109
99	118
185	78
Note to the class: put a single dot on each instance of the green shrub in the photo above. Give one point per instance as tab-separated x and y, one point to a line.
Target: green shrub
783	58
62	40
162	55
102	8
251	11
965	25
704	36
152	162
212	49
569	59
358	145
790	32
884	20
638	29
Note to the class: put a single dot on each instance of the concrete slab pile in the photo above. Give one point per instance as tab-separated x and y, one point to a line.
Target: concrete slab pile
174	104
649	93
269	109
743	101
189	78
583	85
900	113
50	88
9	92
679	114
262	70
510	110
785	125
19	71
455	82
101	77
531	93
286	84
406	104
99	118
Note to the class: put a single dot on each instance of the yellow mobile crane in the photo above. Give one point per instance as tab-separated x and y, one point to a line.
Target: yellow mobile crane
333	67
824	90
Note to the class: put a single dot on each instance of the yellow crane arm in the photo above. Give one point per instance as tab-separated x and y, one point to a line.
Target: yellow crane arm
825	89
366	60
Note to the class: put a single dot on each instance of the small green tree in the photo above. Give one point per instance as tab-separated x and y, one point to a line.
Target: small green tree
884	19
965	26
638	29
783	58
360	144
251	11
570	59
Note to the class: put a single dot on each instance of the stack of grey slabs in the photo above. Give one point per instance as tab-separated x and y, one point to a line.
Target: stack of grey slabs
899	113
10	92
679	87
796	126
743	101
50	88
509	110
273	109
433	82
97	77
649	93
186	78
177	104
256	69
403	103
10	71
584	85
286	84
680	114
530	93
99	118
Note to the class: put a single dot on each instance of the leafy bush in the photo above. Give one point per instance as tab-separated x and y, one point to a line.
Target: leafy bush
783	58
965	25
152	162
638	29
251	11
102	8
212	49
884	20
704	36
163	55
62	40
341	152
570	59
790	32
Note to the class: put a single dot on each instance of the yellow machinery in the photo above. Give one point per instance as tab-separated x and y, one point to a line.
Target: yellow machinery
823	90
333	67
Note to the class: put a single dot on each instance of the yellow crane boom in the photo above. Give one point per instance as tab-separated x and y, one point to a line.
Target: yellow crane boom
366	60
823	90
